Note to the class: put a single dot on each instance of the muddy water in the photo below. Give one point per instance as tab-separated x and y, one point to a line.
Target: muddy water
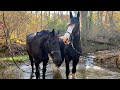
85	70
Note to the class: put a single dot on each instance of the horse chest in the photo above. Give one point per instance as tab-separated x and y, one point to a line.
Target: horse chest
69	51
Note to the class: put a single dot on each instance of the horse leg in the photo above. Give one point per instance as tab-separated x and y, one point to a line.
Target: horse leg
44	68
37	71
31	60
75	62
67	68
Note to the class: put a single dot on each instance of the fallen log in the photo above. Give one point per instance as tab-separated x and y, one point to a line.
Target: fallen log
100	42
110	58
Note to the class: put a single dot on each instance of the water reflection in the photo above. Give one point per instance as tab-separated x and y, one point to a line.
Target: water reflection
86	69
90	71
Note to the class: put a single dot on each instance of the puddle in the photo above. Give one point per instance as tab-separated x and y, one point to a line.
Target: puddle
91	71
27	68
86	69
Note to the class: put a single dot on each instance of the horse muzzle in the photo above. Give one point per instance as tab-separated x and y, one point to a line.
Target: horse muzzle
57	62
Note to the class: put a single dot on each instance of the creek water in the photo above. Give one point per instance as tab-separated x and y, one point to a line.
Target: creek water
86	69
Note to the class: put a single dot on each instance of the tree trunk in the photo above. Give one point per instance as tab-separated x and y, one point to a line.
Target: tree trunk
98	17
90	20
106	18
41	20
54	16
49	14
58	15
101	20
111	23
36	20
84	32
6	32
61	14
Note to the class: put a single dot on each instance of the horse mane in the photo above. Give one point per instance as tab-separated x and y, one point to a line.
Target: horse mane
41	33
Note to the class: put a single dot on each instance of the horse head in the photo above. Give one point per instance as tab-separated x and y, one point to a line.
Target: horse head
53	48
72	28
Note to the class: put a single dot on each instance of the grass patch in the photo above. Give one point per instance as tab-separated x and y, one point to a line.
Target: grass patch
7	66
16	58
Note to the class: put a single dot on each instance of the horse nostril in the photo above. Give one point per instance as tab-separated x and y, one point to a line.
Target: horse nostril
59	64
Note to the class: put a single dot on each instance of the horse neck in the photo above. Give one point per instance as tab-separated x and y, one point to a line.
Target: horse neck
77	36
76	39
43	40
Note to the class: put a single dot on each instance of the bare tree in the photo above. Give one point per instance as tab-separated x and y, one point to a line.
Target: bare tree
101	20
58	14
90	20
49	13
48	16
41	20
36	20
98	17
106	18
6	31
100	23
84	32
111	21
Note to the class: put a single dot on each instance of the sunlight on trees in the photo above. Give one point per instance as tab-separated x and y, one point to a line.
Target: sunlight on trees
94	24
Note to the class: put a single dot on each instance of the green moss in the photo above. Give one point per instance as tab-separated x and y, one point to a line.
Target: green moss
16	58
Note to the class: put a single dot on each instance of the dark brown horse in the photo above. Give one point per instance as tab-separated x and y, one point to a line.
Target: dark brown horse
70	44
39	45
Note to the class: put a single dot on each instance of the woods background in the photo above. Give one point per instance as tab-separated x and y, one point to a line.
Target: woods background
100	30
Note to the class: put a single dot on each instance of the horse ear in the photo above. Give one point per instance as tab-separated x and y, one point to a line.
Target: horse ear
78	14
71	14
53	32
58	32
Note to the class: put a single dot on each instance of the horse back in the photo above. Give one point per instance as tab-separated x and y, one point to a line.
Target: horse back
35	42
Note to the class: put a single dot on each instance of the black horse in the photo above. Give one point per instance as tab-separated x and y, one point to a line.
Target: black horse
70	44
39	45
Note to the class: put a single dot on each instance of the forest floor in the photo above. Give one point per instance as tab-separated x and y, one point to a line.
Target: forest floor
8	69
